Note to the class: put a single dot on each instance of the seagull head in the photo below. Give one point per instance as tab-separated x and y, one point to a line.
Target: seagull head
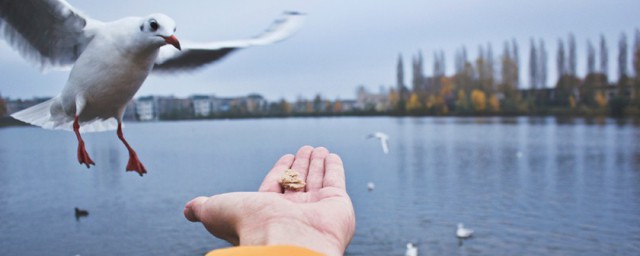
160	29
460	226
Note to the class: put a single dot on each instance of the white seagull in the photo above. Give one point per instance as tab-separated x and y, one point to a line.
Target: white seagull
462	232
109	61
371	186
412	250
384	140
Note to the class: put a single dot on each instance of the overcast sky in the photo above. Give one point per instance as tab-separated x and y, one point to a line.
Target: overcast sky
343	43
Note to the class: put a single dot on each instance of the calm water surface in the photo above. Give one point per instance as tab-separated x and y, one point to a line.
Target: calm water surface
527	186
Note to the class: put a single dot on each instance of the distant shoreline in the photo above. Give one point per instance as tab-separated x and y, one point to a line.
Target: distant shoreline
11	122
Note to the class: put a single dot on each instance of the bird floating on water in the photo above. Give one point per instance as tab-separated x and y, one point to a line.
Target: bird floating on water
412	250
108	61
384	140
81	213
371	186
462	232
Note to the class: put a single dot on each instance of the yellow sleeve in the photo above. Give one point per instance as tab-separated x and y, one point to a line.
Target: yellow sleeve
276	250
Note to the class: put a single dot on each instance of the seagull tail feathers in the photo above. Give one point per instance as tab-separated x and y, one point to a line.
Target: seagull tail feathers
41	115
38	115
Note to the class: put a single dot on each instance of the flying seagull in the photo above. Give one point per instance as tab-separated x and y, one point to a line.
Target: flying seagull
384	140
108	61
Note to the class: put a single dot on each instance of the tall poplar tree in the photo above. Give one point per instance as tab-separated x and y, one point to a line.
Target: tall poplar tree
591	58
560	60
533	66
572	60
542	64
516	60
622	57
636	55
402	89
604	56
418	73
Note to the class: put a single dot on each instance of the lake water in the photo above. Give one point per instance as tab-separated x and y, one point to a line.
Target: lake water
527	186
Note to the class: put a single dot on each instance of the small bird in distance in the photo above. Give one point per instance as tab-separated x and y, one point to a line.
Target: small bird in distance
79	213
371	186
412	250
384	140
463	232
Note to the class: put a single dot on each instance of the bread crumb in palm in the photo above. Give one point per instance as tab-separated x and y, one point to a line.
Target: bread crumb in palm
290	180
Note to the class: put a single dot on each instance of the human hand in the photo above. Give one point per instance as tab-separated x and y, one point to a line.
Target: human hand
319	218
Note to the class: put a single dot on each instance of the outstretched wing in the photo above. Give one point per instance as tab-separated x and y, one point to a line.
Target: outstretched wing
385	145
50	33
195	55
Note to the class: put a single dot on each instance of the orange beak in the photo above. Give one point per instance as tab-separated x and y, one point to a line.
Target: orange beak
172	40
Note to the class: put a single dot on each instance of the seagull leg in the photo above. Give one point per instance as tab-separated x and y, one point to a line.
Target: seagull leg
83	156
134	163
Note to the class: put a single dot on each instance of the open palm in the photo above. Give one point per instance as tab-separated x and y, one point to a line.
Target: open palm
320	218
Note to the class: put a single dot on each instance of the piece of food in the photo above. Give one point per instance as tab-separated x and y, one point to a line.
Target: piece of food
290	180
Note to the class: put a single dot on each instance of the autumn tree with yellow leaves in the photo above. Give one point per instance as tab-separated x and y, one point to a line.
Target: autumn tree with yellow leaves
494	103
478	100
413	105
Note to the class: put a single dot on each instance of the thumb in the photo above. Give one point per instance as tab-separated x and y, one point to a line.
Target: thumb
192	208
218	214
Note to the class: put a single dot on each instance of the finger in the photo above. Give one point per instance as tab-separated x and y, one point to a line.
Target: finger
192	207
316	169
301	163
334	172
271	180
218	214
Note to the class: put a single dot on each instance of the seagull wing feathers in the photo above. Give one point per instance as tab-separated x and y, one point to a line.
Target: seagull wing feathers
385	145
196	55
49	33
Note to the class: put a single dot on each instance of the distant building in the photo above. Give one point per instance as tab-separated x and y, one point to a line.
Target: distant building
202	105
255	103
162	108
367	101
151	108
130	112
301	106
145	108
221	105
348	105
251	104
174	108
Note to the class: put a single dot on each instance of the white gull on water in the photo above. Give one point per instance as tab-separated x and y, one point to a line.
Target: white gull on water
412	250
463	232
108	61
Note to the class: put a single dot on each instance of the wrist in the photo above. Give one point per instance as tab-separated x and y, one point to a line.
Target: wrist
289	231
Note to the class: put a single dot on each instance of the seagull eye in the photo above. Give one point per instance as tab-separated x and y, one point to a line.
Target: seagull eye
154	25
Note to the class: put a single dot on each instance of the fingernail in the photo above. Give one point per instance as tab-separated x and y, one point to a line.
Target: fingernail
191	208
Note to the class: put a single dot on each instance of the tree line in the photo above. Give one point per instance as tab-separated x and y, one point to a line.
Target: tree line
491	84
